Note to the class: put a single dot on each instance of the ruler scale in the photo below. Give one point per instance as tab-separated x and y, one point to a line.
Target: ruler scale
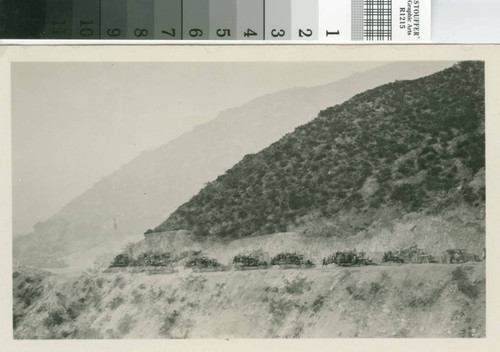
196	17
140	19
113	19
250	19
222	23
59	19
86	19
304	19
168	19
314	21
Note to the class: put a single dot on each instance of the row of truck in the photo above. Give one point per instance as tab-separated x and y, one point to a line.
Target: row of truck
260	260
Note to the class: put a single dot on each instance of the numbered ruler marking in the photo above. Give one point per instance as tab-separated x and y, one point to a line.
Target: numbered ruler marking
140	19
113	19
168	19
321	21
250	19
196	16
278	21
222	19
86	19
59	19
304	19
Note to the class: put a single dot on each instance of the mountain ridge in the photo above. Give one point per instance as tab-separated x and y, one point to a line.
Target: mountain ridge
288	182
152	185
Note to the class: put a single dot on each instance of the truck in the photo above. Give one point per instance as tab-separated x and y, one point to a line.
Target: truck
291	260
352	258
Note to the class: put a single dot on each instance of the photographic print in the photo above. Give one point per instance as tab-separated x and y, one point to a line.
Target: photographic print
180	200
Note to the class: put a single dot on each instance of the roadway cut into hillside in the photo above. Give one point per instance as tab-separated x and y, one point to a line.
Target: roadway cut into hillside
458	227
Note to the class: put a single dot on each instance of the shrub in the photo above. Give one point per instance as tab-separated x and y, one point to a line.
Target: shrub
115	302
17	317
27	289
297	286
411	196
279	309
137	297
318	303
55	318
125	324
404	193
168	323
463	283
75	308
425	299
155	294
356	292
297	331
119	282
375	288
406	168
99	282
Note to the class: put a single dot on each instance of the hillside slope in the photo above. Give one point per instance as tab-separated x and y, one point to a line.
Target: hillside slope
426	300
145	191
405	147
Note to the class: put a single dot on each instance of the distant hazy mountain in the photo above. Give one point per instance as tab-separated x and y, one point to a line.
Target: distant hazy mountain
148	189
414	146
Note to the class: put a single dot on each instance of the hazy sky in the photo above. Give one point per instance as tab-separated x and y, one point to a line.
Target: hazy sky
74	123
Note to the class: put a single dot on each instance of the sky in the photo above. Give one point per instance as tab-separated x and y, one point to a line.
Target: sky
75	123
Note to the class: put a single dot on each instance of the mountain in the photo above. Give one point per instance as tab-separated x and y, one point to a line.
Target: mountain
407	147
398	164
145	191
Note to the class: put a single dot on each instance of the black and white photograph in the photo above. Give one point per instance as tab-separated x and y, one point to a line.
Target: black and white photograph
248	199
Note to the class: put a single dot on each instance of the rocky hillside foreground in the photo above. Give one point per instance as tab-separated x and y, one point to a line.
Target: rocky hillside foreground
426	300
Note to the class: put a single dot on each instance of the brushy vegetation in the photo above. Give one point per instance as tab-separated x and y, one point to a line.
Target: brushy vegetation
367	291
414	145
60	316
279	308
395	301
27	288
55	318
424	298
125	324
464	284
168	323
116	302
298	285
318	303
358	293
